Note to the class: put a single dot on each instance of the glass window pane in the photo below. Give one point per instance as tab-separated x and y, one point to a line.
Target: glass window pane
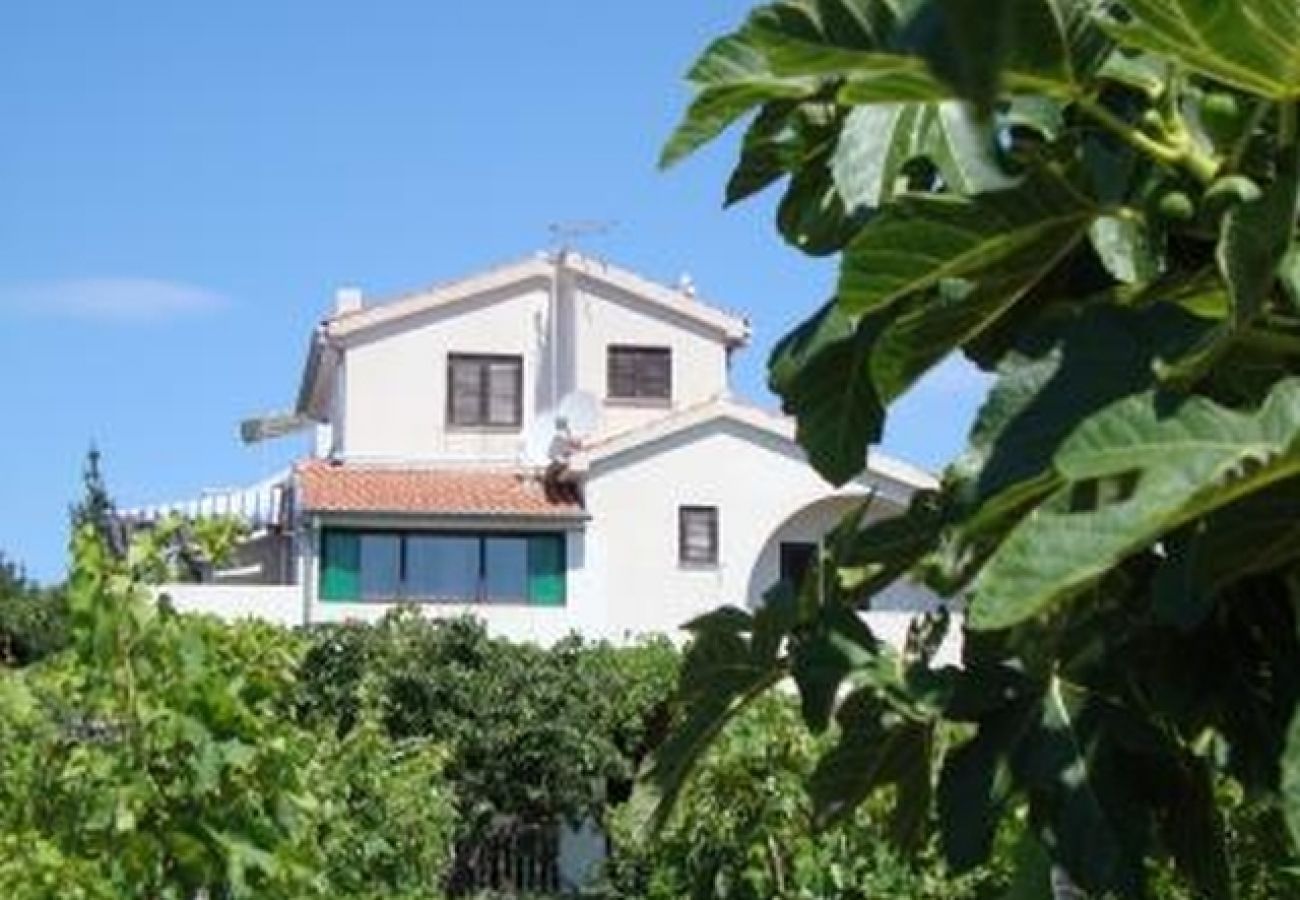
506	569
466	388
639	372
380	566
340	565
699	534
656	374
503	393
441	567
546	570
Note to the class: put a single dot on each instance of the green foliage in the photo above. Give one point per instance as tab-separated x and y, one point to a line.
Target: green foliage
155	757
1095	203
532	733
33	620
160	757
388	818
745	829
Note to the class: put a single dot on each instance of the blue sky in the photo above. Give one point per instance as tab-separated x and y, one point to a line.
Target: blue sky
183	185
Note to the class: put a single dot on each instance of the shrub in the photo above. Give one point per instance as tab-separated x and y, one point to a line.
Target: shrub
743	830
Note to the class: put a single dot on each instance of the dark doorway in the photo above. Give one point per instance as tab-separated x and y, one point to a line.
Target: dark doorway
797	557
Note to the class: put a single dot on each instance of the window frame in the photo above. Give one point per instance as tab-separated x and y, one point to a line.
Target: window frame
639	396
685	556
555	595
484	362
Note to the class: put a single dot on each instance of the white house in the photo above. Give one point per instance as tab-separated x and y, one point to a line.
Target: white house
552	446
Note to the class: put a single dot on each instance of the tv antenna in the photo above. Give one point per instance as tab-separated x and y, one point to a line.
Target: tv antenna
565	234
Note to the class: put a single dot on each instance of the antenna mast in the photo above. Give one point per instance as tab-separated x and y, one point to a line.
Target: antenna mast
564	235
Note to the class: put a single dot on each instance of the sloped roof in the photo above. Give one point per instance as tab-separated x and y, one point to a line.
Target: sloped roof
879	464
539	268
329	487
338	329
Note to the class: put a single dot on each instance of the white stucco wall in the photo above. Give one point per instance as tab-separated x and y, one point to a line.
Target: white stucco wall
275	603
394	381
606	316
759	484
390	397
809	525
623	576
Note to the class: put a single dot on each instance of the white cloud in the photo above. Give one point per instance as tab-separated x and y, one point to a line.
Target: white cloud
110	299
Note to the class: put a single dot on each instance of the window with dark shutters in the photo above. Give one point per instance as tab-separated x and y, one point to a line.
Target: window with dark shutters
697	535
639	373
484	391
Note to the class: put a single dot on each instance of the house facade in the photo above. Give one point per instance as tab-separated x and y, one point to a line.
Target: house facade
552	446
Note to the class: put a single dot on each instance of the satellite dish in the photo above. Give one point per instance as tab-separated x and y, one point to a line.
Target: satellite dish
579	414
539	437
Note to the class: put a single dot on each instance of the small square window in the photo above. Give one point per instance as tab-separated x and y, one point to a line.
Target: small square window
485	391
697	535
639	373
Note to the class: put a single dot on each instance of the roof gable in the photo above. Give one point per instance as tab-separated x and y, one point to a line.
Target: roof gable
729	328
762	423
341	329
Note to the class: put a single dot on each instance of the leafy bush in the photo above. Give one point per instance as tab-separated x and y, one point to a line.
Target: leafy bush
33	620
387	822
532	732
160	757
744	830
155	758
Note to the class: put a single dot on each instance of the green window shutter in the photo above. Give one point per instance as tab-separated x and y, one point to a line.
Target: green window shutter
340	566
546	570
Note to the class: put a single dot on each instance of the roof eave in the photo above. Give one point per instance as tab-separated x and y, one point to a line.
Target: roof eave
577	517
907	477
314	389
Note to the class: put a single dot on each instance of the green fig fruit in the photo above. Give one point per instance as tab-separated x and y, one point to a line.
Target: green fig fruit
1221	115
1176	206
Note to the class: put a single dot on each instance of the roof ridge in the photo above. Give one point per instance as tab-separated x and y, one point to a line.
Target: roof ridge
436	286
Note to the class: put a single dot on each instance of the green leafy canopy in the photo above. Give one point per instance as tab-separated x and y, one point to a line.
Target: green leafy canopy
1094	201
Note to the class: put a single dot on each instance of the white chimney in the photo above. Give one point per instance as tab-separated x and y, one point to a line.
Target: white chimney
347	300
686	284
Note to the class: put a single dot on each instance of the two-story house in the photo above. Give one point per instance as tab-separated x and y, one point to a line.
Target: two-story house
553	446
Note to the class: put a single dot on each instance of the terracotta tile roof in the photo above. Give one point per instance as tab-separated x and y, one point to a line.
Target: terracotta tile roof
329	487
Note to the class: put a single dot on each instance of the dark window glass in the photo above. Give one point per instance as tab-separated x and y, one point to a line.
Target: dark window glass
466	567
381	566
503	393
797	558
484	390
698	535
505	569
441	567
639	373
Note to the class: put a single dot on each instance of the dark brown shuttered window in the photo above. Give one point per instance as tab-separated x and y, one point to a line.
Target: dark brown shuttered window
697	535
639	373
485	391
